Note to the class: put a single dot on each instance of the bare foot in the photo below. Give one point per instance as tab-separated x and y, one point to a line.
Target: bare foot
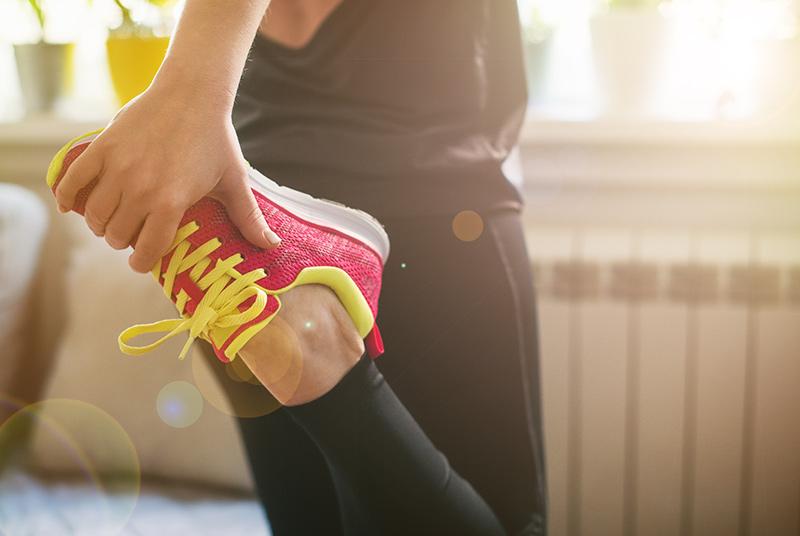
307	348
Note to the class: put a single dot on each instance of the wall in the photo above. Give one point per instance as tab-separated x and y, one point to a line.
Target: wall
668	267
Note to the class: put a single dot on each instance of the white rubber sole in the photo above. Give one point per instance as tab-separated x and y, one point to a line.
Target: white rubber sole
354	223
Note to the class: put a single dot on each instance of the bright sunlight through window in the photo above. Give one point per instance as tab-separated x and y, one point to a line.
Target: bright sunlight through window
678	60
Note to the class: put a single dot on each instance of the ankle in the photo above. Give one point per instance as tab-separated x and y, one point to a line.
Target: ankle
307	349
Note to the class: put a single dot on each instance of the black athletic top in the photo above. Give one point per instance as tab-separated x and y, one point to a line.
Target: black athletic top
394	106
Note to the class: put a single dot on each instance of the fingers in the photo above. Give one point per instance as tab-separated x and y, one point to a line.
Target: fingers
154	240
125	224
80	173
244	212
103	201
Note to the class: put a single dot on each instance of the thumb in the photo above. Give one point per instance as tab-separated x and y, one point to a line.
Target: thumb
233	192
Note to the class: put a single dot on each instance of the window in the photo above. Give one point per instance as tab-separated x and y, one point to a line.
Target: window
675	60
678	60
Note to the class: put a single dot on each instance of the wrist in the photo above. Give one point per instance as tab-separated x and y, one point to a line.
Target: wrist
211	92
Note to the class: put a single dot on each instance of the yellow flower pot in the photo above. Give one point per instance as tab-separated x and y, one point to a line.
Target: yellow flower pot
133	61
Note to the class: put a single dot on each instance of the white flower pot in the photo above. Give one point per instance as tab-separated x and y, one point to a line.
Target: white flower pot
776	81
45	71
537	60
629	49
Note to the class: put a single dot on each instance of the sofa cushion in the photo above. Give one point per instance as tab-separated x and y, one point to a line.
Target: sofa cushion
23	222
103	297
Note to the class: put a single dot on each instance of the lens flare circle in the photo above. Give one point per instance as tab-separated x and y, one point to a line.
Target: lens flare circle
179	404
75	440
228	388
232	388
468	225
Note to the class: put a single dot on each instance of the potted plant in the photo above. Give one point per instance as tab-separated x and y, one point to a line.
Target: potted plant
630	42
45	69
537	39
136	49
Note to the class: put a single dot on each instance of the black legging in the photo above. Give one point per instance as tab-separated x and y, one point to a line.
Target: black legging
458	322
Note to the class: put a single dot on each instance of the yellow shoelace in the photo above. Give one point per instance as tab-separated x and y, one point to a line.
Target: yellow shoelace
225	289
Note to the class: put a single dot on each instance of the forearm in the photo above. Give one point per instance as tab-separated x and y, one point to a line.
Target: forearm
209	49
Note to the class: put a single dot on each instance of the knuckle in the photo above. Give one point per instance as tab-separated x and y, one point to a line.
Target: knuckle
127	163
97	231
146	252
63	191
74	178
115	242
240	171
94	218
80	165
97	228
139	191
168	204
135	183
254	214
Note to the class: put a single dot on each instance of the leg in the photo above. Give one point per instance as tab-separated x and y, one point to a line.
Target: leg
467	368
292	478
389	477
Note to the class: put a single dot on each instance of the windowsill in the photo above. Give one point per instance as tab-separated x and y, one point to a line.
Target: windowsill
581	172
555	153
544	130
43	131
537	131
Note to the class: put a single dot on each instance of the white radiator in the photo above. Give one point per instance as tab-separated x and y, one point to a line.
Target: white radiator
671	380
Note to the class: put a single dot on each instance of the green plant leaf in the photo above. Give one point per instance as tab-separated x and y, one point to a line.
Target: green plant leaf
624	4
37	8
126	11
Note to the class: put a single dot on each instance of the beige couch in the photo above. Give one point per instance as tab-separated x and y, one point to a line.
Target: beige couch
83	424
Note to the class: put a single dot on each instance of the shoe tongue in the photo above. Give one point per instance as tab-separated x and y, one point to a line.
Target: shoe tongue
184	282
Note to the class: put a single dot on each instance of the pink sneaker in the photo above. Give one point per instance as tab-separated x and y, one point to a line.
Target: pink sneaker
226	290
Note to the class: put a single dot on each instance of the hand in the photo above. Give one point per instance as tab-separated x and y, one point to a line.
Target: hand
162	153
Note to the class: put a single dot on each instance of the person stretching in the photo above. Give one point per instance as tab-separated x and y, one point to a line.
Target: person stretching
405	110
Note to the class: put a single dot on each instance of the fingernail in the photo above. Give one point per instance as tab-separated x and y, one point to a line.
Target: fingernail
272	238
62	209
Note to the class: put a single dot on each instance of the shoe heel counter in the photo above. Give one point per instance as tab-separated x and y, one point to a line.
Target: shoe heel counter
373	342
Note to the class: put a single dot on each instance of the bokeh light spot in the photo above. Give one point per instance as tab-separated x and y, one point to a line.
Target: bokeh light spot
179	404
238	371
79	441
276	357
468	225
